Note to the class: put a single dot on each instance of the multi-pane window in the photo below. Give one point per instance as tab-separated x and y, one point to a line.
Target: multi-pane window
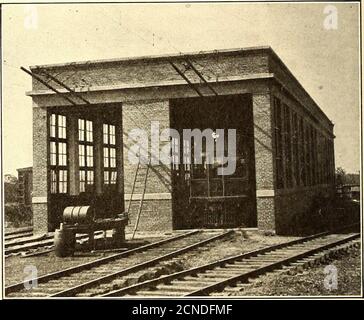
175	153
288	146
331	162
312	147
187	158
85	155
302	152
327	164
58	153
307	155
187	155
295	140
321	158
109	151
278	142
314	156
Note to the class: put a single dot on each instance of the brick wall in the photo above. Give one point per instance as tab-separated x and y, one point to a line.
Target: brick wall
295	209
294	204
140	107
155	216
143	72
298	92
156	213
263	144
40	145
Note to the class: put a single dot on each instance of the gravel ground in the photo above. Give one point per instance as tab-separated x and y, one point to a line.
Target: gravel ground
240	242
15	265
310	282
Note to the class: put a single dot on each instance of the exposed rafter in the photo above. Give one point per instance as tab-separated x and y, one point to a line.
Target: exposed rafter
48	85
75	94
192	85
200	76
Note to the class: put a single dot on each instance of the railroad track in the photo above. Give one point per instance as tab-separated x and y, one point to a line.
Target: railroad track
20	233
214	277
36	244
88	278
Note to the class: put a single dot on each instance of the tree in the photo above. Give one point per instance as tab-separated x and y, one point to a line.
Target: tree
340	176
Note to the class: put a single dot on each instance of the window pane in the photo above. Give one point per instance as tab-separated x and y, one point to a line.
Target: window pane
82	181
90	161
106	177
52	125
53	147
106	133
62	148
89	131
81	150
53	156
53	131
90	177
62	154
61	127
61	121
113	163
53	182
81	124
53	119
53	159
62	181
113	177
81	160
82	175
106	157
90	151
81	128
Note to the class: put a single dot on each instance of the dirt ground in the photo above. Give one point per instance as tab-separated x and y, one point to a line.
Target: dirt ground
310	282
240	242
15	266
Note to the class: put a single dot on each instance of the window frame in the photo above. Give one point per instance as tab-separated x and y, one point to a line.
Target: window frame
86	172
110	173
278	130
57	170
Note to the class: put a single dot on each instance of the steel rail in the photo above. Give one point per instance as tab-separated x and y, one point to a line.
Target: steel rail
220	263
29	244
20	230
273	266
18	236
76	289
58	274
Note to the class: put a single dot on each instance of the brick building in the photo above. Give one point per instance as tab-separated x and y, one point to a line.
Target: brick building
83	112
25	184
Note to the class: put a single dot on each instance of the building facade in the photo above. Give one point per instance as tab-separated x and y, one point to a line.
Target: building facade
25	186
83	114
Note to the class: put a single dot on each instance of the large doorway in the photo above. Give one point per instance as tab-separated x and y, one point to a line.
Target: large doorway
201	196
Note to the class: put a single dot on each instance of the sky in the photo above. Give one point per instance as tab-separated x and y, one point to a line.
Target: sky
325	61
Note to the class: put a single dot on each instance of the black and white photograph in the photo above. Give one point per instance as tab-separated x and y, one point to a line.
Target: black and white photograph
181	150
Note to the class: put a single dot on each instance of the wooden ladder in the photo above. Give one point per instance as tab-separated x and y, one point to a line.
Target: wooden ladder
141	176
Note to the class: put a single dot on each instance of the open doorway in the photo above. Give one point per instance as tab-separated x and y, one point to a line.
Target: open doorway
201	196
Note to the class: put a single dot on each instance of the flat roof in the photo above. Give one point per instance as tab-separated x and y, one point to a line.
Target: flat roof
266	48
152	57
24	169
